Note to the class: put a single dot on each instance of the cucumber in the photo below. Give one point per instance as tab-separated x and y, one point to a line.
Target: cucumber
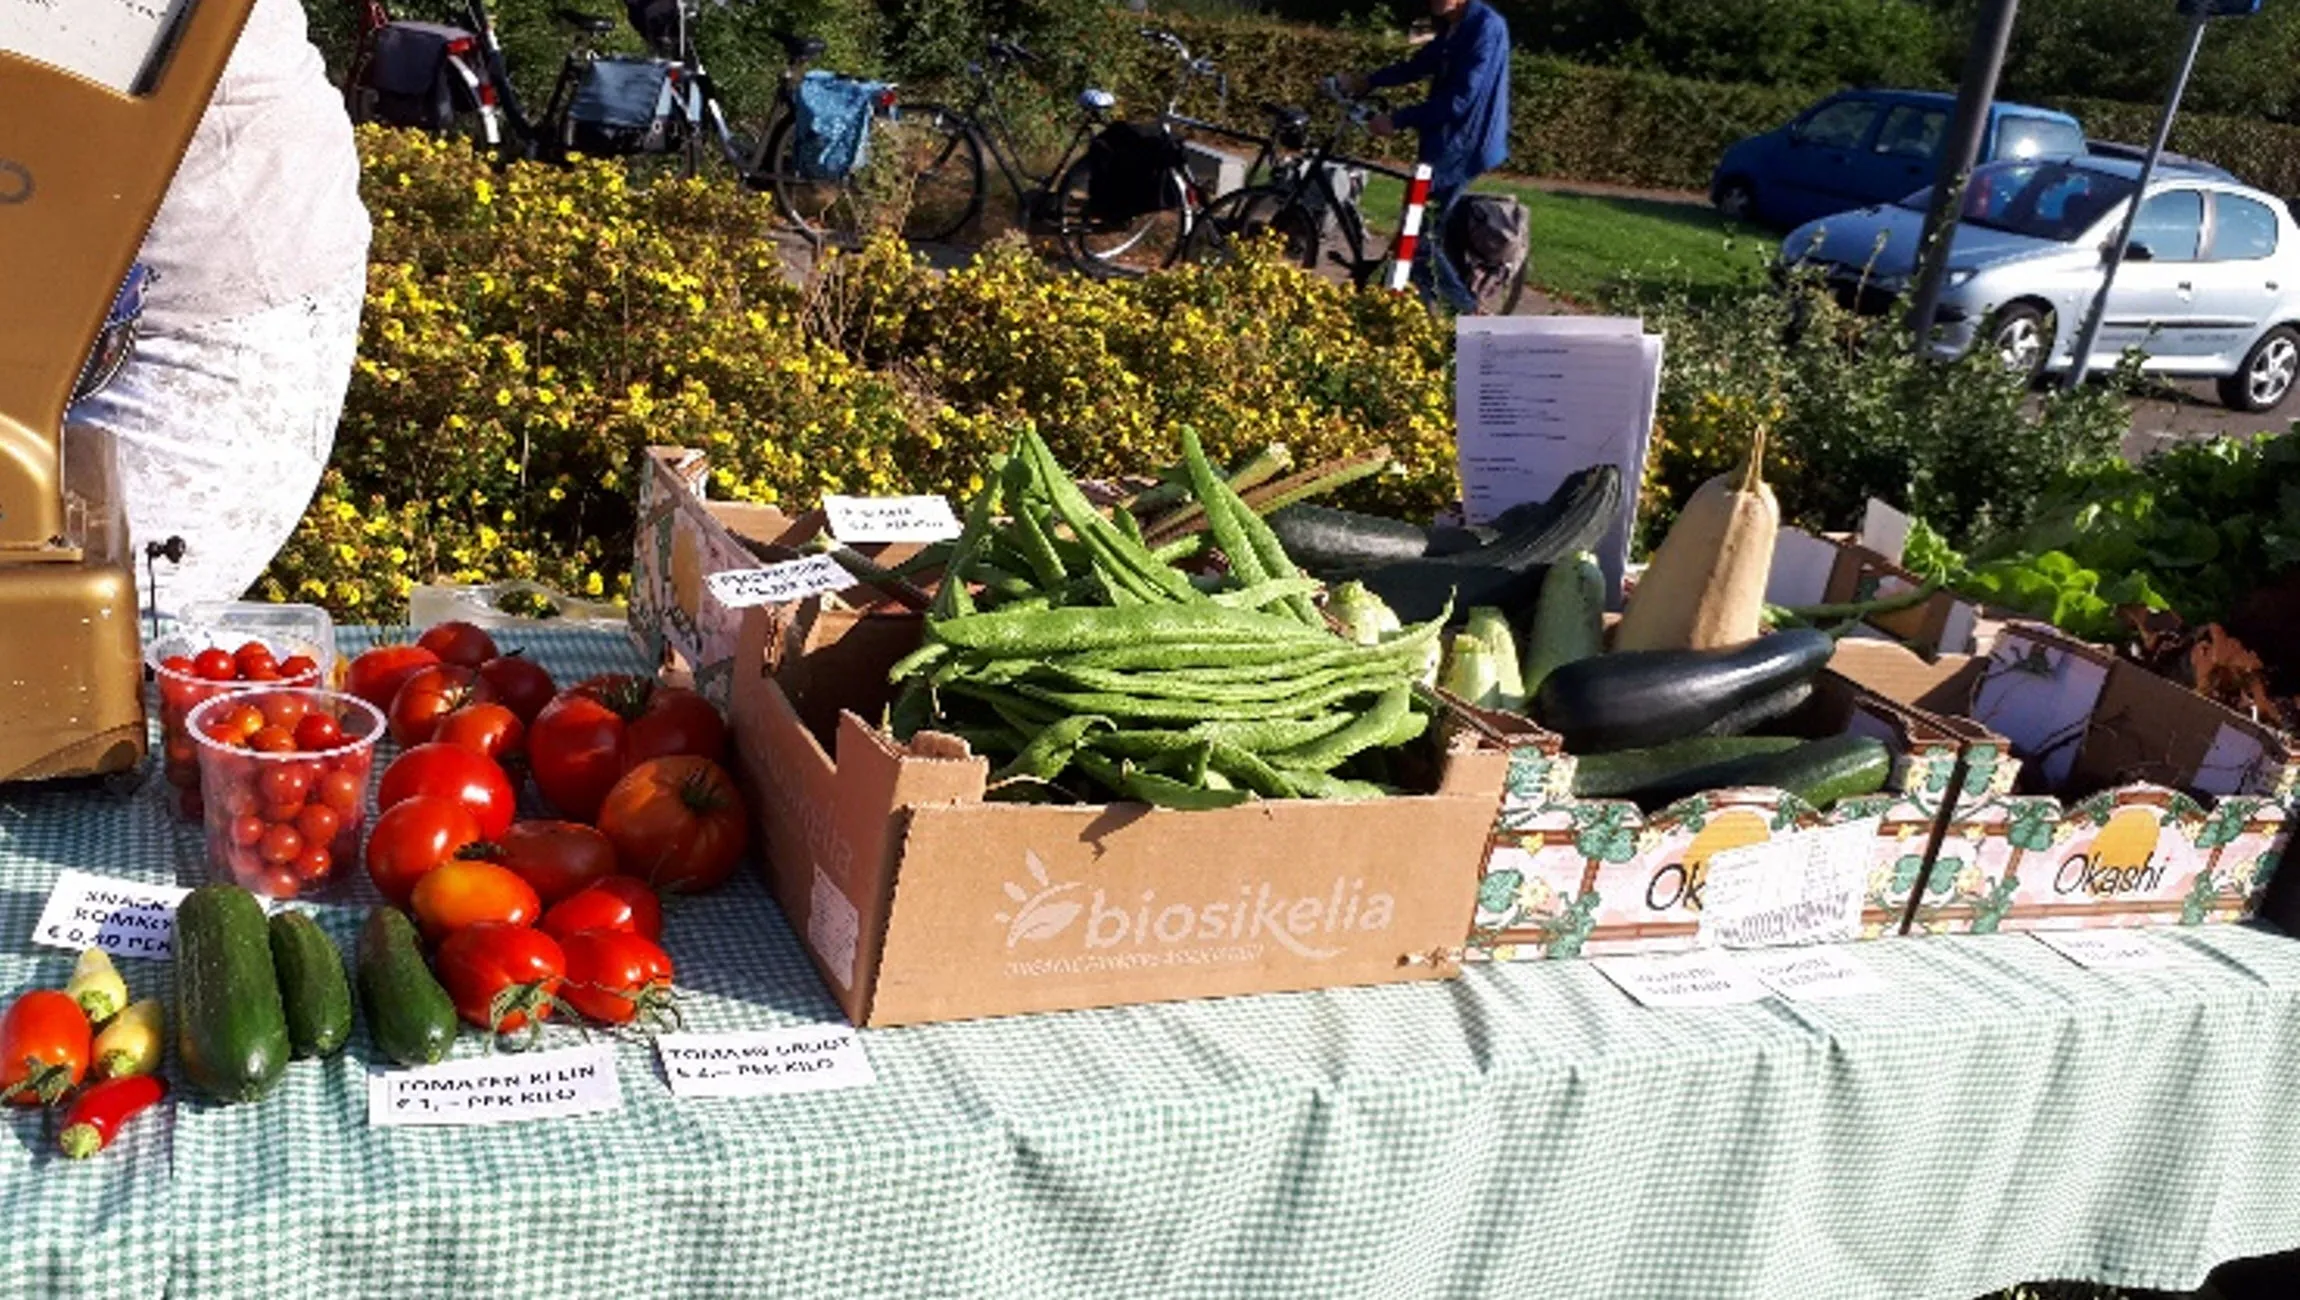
1568	619
1632	699
1507	573
1818	771
1764	709
1664	771
409	1015
312	986
231	1028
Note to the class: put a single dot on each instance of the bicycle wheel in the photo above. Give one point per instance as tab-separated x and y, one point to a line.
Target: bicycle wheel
1120	246
922	175
818	207
1256	212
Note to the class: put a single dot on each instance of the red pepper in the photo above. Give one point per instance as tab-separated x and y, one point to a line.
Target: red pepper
96	1117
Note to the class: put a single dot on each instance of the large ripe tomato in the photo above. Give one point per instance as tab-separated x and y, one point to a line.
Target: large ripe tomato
501	976
377	675
411	839
617	903
458	895
593	733
517	683
676	823
458	643
559	859
614	976
452	772
44	1045
489	729
428	695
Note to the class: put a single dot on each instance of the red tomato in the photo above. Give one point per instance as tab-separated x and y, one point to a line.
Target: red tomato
588	737
458	643
501	975
490	729
428	695
344	790
284	709
285	783
459	894
558	858
318	824
318	731
215	665
297	667
617	903
180	665
411	839
451	772
280	844
615	976
377	675
272	740
676	823
254	657
44	1044
517	683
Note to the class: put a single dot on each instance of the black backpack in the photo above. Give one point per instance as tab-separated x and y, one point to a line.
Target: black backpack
1130	165
1485	239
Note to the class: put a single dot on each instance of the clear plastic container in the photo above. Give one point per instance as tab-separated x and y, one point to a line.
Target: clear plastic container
284	793
183	688
230	622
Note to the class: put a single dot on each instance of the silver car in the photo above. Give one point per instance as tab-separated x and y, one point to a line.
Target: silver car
2210	286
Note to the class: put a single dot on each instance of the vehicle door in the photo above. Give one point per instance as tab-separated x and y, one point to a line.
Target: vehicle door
2025	135
1816	169
1903	156
2241	283
2154	304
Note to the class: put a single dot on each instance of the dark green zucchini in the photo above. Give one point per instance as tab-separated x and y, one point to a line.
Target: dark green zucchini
1329	543
1818	771
1650	697
1507	573
1627	773
231	1027
1762	710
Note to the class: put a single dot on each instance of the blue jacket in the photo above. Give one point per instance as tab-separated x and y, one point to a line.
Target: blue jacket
1464	124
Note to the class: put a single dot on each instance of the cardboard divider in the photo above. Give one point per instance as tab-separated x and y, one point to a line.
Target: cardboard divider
1834	569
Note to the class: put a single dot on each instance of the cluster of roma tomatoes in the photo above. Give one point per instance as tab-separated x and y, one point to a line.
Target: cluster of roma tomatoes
189	680
528	914
285	787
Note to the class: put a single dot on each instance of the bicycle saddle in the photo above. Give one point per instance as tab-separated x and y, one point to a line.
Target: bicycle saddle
583	22
1287	116
800	48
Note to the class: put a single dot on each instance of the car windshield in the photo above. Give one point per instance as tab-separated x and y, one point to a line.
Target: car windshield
2043	200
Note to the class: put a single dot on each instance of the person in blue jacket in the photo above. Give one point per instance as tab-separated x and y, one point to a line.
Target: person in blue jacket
1464	124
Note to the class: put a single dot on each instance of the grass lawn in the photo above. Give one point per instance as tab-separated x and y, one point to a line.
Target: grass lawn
1584	245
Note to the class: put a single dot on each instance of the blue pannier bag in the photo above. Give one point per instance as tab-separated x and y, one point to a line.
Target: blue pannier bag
618	110
834	124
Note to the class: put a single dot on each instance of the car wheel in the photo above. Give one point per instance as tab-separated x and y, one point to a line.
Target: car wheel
2021	338
1736	201
2265	379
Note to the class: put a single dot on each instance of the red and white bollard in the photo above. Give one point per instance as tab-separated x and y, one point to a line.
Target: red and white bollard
1410	234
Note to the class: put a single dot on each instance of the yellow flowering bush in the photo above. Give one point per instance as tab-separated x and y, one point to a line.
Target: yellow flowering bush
530	330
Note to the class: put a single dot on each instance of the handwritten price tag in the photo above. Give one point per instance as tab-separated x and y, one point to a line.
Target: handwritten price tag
1694	979
126	918
778	584
2109	949
1813	974
1798	889
497	1089
763	1063
858	521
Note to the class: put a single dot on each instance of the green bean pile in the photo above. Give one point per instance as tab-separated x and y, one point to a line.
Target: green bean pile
1094	667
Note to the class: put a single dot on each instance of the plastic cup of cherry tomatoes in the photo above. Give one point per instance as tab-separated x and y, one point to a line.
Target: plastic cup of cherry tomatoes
283	787
193	670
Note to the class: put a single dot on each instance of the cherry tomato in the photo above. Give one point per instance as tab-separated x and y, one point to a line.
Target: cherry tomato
428	695
272	740
518	684
615	976
280	844
490	729
616	903
44	1045
459	894
276	882
558	858
411	839
295	668
313	864
286	709
254	657
215	665
500	976
458	643
676	823
285	783
180	665
241	720
589	736
343	790
454	773
318	823
377	675
318	731
248	830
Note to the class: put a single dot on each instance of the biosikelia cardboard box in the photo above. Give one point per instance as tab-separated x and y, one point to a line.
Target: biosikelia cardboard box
1567	876
920	900
2151	804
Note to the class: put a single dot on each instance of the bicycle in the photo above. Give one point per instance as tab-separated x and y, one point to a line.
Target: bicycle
821	202
1302	207
454	80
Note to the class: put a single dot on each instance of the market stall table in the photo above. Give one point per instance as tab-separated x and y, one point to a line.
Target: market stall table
1998	1115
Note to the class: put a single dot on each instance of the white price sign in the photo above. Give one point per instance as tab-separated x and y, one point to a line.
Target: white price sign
497	1089
126	918
858	521
2109	949
1813	974
765	1062
1694	979
778	584
1798	889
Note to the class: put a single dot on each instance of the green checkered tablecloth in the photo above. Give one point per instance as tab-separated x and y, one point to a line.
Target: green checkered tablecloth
1998	1115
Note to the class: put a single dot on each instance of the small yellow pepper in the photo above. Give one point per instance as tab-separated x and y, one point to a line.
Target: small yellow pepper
96	985
131	1043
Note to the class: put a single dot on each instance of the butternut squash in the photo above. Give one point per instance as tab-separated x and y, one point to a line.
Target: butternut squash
1705	589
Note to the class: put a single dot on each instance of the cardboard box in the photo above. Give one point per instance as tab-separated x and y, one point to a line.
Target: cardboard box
1830	569
920	901
1570	877
2169	808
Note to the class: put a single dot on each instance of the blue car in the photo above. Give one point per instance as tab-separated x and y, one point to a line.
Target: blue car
1864	147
